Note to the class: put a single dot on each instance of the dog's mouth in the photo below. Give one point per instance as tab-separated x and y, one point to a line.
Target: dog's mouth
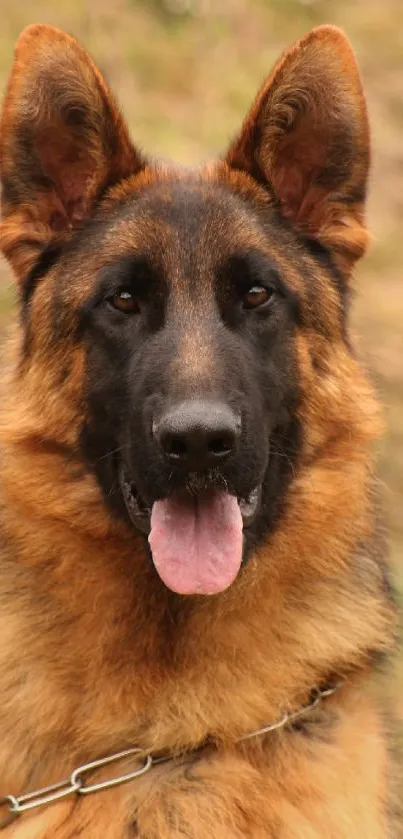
196	540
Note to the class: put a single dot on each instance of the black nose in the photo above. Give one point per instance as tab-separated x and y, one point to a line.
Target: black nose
198	434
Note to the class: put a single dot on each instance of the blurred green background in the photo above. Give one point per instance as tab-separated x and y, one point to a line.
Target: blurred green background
185	72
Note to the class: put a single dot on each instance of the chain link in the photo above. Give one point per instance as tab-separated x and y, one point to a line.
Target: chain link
16	805
76	784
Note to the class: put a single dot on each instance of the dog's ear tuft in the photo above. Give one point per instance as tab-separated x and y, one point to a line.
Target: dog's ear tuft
307	139
62	142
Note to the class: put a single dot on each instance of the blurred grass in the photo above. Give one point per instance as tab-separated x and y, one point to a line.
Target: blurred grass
185	72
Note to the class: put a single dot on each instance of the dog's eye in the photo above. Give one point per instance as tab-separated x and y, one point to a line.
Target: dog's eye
257	296
125	302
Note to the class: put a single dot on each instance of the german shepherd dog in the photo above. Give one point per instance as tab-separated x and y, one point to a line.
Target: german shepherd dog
193	584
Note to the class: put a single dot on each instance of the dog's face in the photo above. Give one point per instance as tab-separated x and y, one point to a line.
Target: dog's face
191	375
195	301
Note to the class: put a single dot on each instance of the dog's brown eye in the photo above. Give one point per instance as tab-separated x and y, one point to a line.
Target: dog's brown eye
125	302
257	296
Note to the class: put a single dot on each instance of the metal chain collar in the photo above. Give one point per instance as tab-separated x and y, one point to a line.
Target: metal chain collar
77	783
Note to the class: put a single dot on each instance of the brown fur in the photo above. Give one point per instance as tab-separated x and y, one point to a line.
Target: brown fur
95	654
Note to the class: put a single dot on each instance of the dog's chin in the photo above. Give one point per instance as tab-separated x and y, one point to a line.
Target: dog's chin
139	511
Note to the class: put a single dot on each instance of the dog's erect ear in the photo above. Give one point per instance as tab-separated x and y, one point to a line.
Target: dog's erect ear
307	139
62	142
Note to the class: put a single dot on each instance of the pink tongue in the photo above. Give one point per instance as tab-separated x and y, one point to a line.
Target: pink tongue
196	543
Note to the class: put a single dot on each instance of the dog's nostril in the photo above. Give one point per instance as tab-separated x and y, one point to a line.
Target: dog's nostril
220	446
174	447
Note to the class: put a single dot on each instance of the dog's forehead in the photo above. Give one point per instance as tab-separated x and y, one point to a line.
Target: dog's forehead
190	214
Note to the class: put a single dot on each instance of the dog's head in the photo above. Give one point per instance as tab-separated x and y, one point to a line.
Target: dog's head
184	331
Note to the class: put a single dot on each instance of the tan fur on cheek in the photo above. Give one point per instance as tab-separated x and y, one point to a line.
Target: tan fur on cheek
49	400
336	395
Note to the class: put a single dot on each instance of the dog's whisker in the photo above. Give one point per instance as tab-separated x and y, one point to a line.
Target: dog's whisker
112	489
112	451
